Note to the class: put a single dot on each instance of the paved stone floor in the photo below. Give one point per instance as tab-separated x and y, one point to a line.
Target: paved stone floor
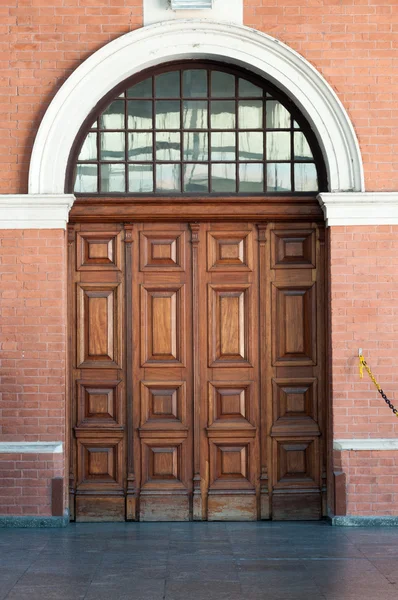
199	561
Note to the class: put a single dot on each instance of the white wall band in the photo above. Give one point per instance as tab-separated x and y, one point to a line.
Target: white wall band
366	444
366	208
31	447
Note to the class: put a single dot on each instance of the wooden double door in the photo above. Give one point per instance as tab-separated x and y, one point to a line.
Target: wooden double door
197	371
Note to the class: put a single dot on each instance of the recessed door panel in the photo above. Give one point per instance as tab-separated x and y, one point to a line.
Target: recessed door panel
229	325
162	333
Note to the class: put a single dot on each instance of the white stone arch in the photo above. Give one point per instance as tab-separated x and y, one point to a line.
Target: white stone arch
196	39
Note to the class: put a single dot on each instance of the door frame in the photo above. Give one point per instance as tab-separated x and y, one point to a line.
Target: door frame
258	210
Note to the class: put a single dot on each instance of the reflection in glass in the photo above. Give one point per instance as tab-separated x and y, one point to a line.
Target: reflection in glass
113	178
222	85
140	178
222	114
278	177
305	177
139	114
194	83
168	114
168	178
223	177
194	114
141	90
86	179
223	146
112	146
113	116
251	145
248	89
250	114
278	145
277	115
168	146
167	85
89	148
140	146
251	177
301	147
195	146
196	178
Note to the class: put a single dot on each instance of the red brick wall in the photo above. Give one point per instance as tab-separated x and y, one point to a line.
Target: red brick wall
372	482
33	358
364	310
352	43
25	482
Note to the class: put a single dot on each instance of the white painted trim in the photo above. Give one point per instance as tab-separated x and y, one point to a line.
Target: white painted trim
35	211
366	444
366	208
31	447
175	40
157	11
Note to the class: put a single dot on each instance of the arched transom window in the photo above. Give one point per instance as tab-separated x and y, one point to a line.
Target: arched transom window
197	129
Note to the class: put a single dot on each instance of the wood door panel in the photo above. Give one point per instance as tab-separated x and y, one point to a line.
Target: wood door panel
100	464
162	251
294	331
295	405
99	403
229	251
230	405
162	325
163	464
229	325
98	250
293	248
163	403
98	325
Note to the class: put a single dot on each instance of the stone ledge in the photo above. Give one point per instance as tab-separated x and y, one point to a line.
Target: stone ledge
358	521
30	522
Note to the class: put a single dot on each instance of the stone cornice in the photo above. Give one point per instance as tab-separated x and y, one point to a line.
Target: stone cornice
359	208
35	211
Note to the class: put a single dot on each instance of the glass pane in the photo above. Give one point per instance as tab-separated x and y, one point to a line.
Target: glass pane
113	178
194	83
222	84
296	125
141	90
139	114
250	114
223	146
167	85
278	177
89	148
86	179
222	114
112	146
223	177
168	146
194	114
251	177
140	178
195	146
140	146
94	125
251	145
278	145
168	114
301	147
113	116
196	178
246	88
305	178
277	115
168	178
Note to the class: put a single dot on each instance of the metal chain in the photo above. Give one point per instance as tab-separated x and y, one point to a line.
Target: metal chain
363	363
